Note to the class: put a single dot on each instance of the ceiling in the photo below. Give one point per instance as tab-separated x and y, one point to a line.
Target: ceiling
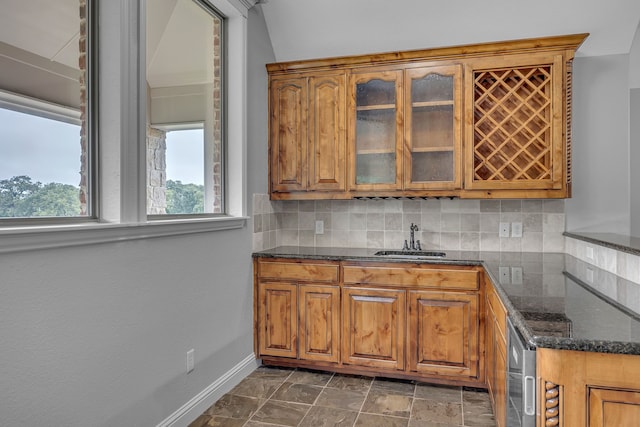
303	29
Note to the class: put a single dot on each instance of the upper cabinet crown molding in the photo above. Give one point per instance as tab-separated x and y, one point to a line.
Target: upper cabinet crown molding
566	42
489	120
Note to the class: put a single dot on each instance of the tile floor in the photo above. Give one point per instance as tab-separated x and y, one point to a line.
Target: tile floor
296	397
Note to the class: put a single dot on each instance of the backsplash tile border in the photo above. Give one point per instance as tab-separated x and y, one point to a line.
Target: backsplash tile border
620	263
445	224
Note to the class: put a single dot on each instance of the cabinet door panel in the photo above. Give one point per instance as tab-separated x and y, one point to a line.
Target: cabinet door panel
443	333
375	130
609	408
500	384
327	132
320	323
373	327
433	109
288	139
278	319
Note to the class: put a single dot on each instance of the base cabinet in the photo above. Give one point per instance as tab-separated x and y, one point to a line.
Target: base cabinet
319	323
278	322
297	311
587	389
496	354
443	333
402	320
373	321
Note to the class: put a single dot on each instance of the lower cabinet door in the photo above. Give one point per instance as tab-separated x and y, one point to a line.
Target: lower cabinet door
443	333
609	407
373	327
320	323
500	381
278	319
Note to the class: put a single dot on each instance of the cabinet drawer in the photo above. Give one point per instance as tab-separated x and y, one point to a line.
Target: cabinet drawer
412	276
298	271
496	306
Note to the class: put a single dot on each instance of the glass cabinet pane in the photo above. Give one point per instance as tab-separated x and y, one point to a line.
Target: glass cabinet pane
376	132
432	128
432	87
376	93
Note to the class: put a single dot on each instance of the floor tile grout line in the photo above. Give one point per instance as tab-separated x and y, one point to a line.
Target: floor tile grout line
413	400
269	397
364	401
316	399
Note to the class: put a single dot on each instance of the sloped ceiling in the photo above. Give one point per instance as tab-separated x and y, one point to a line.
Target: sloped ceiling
303	29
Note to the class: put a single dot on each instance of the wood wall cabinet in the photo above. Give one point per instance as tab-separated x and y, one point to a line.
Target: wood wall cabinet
517	110
496	354
376	134
394	123
307	135
581	388
433	126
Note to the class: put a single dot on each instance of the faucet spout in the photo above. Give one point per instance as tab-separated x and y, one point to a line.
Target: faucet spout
412	241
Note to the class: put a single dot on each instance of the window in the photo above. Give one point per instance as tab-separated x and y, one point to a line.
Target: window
45	146
49	72
185	134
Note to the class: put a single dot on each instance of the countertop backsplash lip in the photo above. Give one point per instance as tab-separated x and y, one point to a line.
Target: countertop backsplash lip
542	272
619	242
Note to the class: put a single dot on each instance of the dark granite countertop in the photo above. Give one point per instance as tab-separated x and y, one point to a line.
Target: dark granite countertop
554	300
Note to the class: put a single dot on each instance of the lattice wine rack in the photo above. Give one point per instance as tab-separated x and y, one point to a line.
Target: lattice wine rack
513	125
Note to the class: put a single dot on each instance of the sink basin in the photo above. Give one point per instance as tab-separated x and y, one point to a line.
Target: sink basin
411	254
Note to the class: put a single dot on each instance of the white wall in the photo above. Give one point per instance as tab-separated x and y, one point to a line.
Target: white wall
600	145
260	52
634	61
634	140
97	335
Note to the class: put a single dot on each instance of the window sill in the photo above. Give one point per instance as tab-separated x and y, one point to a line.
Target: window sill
16	239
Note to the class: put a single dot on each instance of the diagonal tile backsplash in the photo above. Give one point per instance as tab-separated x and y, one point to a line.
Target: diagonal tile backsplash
469	225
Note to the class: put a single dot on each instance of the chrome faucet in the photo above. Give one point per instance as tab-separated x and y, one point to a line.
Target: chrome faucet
414	245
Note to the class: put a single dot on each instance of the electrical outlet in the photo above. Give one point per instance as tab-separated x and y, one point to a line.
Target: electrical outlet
504	229
504	275
516	229
589	252
190	360
319	227
516	275
589	275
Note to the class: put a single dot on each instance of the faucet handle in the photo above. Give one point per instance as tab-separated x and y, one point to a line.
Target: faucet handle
406	246
418	248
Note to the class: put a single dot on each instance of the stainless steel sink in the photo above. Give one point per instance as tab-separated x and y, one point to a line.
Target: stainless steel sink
411	254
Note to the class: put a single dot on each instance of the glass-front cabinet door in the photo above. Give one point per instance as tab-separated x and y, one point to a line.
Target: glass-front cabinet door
376	130
432	128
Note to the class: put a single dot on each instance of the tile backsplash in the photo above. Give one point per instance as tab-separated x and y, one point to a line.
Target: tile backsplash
443	224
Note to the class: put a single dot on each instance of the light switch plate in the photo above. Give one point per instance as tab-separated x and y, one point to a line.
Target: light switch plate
516	275
504	275
516	229
319	227
504	229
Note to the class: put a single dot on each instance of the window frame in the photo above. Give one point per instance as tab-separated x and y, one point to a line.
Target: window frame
210	8
48	110
119	131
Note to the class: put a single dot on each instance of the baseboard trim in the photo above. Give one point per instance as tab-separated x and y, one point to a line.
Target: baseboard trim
203	400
